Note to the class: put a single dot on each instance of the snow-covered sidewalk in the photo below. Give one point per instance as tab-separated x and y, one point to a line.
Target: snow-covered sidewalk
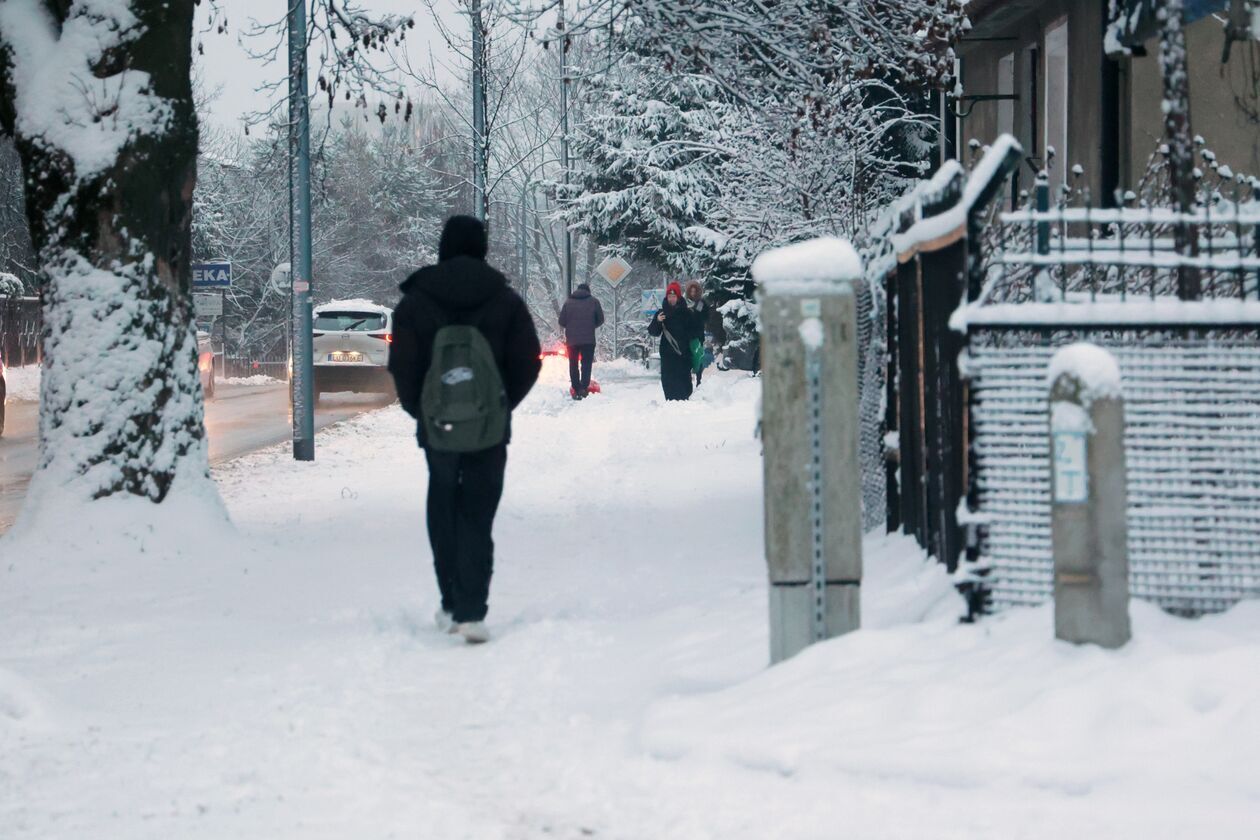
179	678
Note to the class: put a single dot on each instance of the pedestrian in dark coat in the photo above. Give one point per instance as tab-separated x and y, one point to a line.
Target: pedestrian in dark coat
700	315
674	325
464	487
580	316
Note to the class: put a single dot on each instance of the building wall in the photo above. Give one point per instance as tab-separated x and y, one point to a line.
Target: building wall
1215	112
1131	118
1025	39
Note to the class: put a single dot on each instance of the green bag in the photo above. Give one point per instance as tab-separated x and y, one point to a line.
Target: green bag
463	403
697	355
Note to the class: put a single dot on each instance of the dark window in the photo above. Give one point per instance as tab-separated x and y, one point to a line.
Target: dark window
349	321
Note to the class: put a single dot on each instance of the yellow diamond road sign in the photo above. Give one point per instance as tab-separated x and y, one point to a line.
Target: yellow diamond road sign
613	269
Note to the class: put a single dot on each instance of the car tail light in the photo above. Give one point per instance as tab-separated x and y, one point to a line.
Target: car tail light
388	338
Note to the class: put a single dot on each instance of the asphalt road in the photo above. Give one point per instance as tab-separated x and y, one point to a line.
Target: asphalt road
239	420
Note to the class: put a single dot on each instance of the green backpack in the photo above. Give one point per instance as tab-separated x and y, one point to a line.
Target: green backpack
463	403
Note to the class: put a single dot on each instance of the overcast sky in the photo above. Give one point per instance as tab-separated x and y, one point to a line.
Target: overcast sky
226	65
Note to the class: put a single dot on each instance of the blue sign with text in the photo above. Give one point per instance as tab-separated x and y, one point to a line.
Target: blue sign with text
212	275
653	300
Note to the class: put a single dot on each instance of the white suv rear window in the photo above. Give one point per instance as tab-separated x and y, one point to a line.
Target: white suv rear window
349	321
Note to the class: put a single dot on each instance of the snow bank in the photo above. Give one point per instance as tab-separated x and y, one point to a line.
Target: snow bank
1001	707
1089	364
22	383
258	380
817	263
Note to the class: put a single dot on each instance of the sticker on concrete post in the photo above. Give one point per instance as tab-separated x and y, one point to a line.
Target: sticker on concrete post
1069	429
1071	478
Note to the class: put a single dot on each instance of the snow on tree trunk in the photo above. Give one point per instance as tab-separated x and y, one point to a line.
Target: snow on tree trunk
98	96
1176	104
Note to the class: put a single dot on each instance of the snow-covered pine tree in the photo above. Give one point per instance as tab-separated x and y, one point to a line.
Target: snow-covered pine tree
99	100
652	156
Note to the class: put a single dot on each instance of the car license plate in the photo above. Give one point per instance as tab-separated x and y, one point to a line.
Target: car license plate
345	356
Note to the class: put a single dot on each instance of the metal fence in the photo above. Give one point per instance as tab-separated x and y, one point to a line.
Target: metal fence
1192	446
1175	296
274	365
872	351
20	327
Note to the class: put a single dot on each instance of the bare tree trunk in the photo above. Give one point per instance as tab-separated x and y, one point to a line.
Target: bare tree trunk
109	186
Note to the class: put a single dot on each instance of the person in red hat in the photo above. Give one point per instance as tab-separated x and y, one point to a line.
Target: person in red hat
673	323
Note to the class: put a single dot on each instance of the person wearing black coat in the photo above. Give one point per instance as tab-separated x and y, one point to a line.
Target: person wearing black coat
674	324
464	488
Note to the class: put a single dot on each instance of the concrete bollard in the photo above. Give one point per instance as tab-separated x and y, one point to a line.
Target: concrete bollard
809	405
1089	524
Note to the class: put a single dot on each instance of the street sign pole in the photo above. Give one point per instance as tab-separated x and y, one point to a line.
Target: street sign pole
614	270
301	389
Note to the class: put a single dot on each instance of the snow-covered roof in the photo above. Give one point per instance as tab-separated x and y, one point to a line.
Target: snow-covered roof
354	305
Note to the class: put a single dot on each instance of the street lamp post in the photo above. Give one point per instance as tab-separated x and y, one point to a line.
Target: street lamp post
301	387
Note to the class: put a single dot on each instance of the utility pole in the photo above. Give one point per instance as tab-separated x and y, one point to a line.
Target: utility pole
479	112
564	143
301	385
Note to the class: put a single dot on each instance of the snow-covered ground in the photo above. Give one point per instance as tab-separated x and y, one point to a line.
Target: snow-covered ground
170	676
258	380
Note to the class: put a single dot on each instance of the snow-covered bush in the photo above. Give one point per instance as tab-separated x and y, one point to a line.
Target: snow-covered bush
740	319
10	286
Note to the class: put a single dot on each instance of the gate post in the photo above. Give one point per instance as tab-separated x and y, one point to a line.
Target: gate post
809	406
1089	525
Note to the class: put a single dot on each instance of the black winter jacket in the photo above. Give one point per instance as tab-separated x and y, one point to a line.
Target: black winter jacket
461	290
679	323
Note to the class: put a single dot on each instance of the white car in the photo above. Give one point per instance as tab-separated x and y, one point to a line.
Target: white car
351	340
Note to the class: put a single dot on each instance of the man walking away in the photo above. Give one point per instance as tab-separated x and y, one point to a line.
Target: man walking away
480	373
580	316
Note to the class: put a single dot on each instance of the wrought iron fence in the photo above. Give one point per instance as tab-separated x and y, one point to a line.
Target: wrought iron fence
979	302
1176	297
20	327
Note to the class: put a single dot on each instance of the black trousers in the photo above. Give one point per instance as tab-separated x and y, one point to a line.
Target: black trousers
581	381
464	493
